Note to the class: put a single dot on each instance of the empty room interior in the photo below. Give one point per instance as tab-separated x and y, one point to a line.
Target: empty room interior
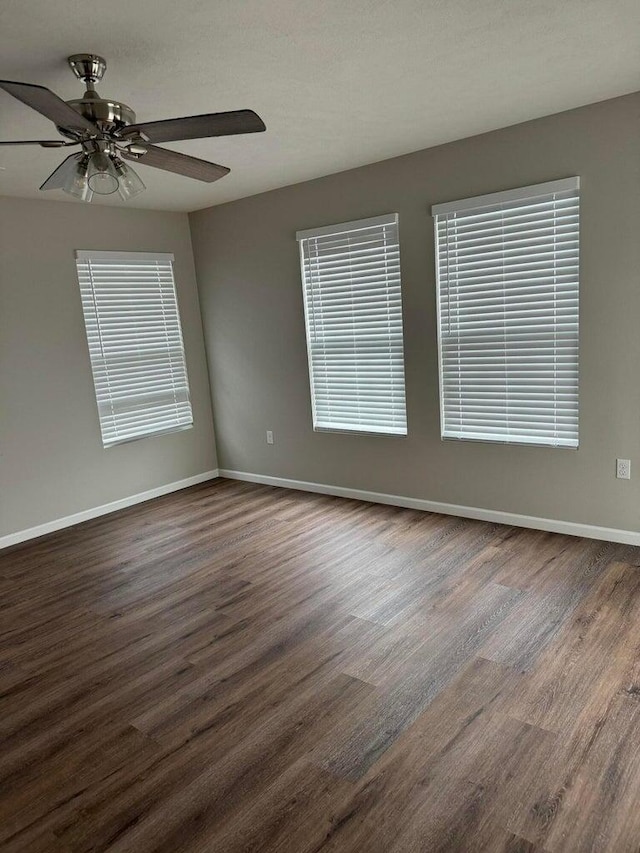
320	426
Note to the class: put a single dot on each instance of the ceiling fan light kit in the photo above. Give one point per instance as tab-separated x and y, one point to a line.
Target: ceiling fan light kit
108	135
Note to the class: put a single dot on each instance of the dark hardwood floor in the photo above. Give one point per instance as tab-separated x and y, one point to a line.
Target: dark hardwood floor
241	668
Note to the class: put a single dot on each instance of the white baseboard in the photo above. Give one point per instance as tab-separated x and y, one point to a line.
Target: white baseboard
94	512
609	534
571	528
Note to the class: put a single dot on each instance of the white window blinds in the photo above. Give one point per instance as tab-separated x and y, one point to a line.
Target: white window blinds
507	271
135	343
353	311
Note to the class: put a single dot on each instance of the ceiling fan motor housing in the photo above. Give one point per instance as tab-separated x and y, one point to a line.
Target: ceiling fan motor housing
107	114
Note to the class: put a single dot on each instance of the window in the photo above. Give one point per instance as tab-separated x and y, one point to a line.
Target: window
135	343
353	311
507	272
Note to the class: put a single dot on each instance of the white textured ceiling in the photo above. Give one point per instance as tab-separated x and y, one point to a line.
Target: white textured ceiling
339	83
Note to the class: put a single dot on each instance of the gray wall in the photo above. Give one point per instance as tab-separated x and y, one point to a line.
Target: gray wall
249	279
52	462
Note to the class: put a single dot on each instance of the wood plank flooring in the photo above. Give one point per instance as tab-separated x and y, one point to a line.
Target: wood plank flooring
242	668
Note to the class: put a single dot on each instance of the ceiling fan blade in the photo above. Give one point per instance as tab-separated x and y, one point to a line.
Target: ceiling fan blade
182	164
49	105
198	127
58	177
45	143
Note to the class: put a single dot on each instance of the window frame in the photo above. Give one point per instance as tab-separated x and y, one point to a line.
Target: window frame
337	229
86	257
483	201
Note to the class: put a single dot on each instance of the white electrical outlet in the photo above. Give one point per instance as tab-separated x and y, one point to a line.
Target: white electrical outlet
623	469
269	436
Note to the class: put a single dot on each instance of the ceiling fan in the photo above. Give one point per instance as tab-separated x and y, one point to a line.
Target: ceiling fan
108	134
